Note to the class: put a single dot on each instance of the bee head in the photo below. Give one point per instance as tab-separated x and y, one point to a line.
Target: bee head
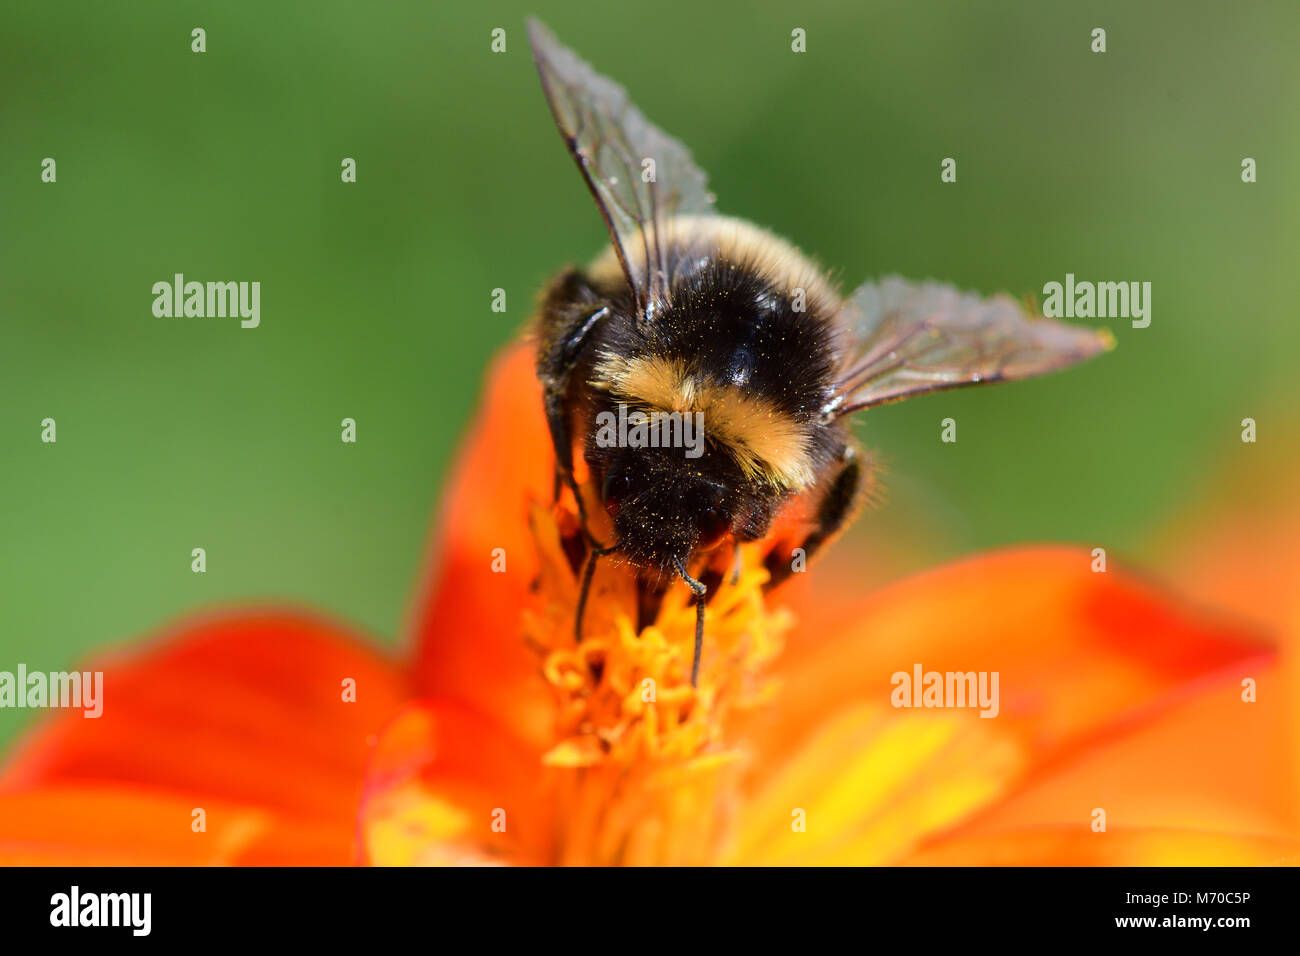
665	507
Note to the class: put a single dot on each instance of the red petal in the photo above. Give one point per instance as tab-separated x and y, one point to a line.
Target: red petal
467	627
244	709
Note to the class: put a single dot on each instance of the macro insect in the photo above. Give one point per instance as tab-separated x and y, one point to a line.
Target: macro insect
696	315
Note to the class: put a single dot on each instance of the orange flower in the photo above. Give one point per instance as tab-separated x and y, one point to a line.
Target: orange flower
502	741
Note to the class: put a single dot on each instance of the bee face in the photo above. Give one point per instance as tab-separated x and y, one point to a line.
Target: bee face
665	509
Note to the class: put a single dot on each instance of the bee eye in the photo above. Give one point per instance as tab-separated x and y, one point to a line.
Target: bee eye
615	490
713	527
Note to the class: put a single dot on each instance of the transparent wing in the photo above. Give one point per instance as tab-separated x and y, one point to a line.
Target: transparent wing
611	140
906	338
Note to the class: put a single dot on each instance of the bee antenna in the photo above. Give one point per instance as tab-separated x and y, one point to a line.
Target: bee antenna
588	570
699	590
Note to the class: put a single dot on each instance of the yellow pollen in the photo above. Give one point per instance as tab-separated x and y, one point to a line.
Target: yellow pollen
644	763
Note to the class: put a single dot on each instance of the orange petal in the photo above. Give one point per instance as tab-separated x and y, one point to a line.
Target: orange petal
467	625
242	711
447	786
1236	548
1073	647
1212	764
867	785
1073	846
111	824
1077	653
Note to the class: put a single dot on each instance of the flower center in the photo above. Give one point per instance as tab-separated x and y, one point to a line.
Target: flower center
645	762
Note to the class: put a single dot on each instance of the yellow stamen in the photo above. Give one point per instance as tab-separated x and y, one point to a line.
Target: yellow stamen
645	765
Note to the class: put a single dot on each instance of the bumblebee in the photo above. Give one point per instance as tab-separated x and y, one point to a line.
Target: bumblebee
705	317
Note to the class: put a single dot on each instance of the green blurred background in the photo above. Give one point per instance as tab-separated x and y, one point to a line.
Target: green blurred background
183	433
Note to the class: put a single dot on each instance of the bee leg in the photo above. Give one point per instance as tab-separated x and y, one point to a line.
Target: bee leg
837	505
737	565
570	314
557	424
701	594
588	571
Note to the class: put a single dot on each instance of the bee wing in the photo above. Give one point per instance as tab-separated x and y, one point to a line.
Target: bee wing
907	338
610	139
